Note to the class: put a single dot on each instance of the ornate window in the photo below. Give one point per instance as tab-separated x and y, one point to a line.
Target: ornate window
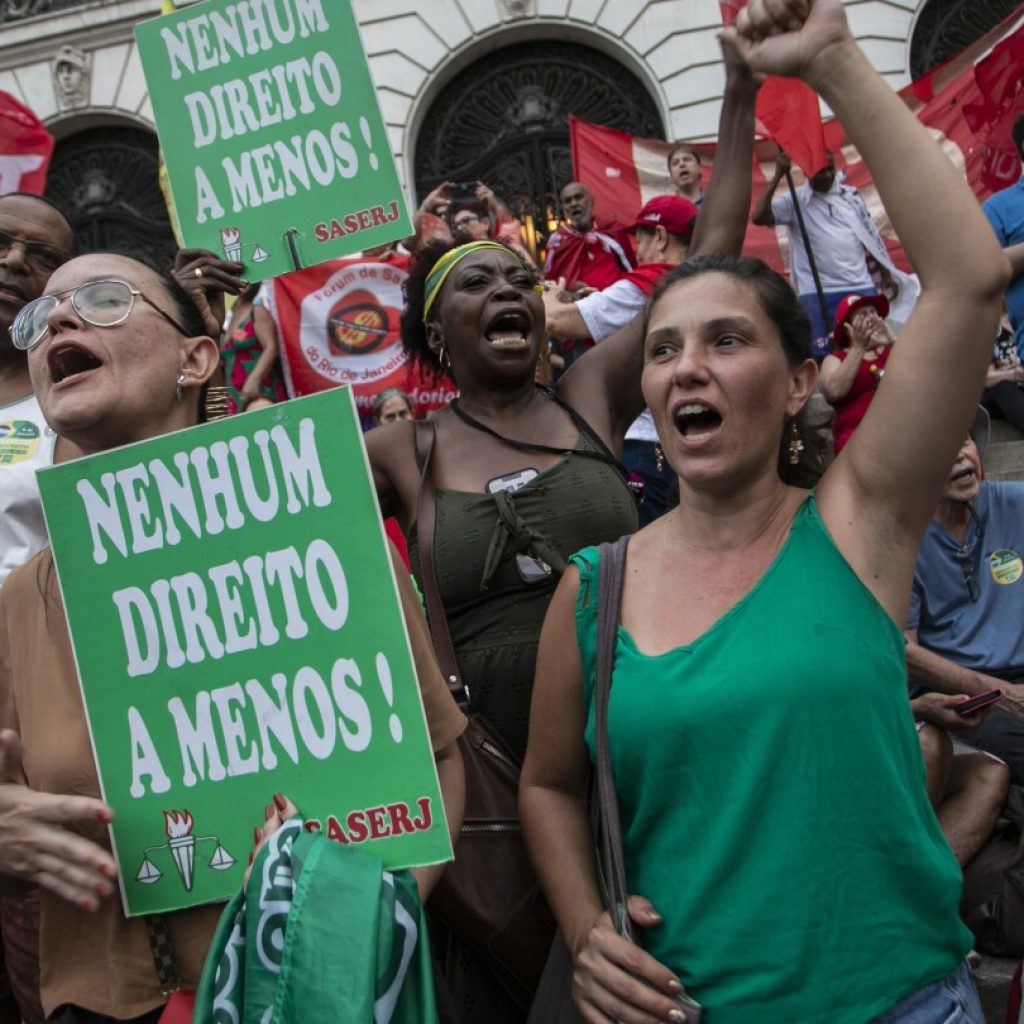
106	182
16	10
504	121
944	27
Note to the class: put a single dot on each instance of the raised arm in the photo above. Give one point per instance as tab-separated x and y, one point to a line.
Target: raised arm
880	493
722	224
605	384
612	979
762	214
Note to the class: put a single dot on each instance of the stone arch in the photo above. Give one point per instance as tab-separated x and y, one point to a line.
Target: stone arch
503	118
104	177
941	28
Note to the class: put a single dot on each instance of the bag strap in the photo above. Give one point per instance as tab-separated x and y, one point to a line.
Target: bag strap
426	511
609	606
162	949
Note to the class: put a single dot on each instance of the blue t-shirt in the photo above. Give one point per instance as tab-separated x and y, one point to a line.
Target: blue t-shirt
1005	212
982	633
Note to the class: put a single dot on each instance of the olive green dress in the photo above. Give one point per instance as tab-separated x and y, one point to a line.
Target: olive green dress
495	605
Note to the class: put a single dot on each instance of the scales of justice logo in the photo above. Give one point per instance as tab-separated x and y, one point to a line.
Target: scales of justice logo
182	845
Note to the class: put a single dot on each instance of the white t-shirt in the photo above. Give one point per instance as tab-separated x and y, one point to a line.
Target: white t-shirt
26	444
604	313
836	223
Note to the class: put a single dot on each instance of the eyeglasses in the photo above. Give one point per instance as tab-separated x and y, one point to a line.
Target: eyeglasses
103	303
965	558
41	255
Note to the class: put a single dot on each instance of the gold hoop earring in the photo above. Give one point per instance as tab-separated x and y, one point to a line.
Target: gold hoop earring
796	444
442	358
659	458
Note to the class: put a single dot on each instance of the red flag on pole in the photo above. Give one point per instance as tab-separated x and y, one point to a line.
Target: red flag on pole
787	111
25	148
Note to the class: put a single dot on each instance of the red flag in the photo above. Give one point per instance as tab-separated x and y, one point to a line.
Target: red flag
787	111
25	148
624	171
337	323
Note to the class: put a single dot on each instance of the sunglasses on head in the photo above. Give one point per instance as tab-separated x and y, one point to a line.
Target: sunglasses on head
102	303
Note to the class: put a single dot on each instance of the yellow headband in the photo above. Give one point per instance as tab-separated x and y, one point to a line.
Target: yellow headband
446	264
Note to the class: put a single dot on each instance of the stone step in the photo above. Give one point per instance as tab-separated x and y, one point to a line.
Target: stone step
1004	460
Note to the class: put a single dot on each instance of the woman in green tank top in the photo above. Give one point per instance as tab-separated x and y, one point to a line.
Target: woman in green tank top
786	863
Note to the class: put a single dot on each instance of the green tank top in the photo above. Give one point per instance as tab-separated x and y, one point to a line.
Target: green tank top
773	799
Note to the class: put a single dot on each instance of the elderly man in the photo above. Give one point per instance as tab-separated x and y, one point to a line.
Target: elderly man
967	602
35	239
578	251
1005	212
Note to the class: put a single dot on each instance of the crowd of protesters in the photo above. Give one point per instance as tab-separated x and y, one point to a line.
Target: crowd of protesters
798	792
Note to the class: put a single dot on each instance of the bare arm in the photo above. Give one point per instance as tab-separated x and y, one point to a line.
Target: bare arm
562	319
837	375
1015	254
762	215
385	447
722	224
939	673
604	386
611	976
266	335
452	777
878	496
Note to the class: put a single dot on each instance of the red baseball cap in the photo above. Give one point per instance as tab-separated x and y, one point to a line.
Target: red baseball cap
848	305
674	213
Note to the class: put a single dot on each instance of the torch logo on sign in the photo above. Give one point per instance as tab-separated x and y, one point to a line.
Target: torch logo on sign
181	844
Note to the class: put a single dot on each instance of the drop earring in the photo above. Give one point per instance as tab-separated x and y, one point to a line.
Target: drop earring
182	381
796	444
659	458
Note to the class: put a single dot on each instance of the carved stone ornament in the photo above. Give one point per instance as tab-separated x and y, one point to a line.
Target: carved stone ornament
518	8
71	69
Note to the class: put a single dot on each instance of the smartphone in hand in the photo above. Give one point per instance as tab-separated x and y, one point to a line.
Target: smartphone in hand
982	700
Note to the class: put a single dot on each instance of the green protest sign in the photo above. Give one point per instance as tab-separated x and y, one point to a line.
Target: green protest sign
275	147
238	633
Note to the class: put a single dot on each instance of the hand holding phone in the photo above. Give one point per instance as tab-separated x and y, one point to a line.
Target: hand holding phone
976	703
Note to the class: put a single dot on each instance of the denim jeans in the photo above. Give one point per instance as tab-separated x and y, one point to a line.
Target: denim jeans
953	1000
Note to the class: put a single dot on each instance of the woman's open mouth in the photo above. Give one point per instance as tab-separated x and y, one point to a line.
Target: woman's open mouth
697	421
67	362
509	331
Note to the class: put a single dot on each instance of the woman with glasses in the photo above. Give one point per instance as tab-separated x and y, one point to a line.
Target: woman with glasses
785	862
118	353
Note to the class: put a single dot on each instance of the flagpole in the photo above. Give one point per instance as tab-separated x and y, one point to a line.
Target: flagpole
810	253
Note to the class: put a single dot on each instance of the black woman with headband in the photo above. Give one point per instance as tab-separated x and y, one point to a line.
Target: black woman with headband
522	476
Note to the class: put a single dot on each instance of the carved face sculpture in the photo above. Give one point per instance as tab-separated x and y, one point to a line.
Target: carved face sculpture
69	75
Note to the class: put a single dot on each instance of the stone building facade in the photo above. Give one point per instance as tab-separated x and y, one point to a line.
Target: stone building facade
469	88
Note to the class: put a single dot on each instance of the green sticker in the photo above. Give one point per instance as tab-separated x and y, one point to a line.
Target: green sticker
1005	566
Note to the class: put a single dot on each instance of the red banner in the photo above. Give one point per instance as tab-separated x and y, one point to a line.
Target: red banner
337	324
25	148
623	171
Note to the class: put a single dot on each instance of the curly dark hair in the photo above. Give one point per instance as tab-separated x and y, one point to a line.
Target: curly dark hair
783	308
414	331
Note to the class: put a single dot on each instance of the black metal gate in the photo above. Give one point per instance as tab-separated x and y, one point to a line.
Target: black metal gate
505	121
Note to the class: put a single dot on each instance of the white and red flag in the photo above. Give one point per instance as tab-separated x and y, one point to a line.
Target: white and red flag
967	104
25	148
337	323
